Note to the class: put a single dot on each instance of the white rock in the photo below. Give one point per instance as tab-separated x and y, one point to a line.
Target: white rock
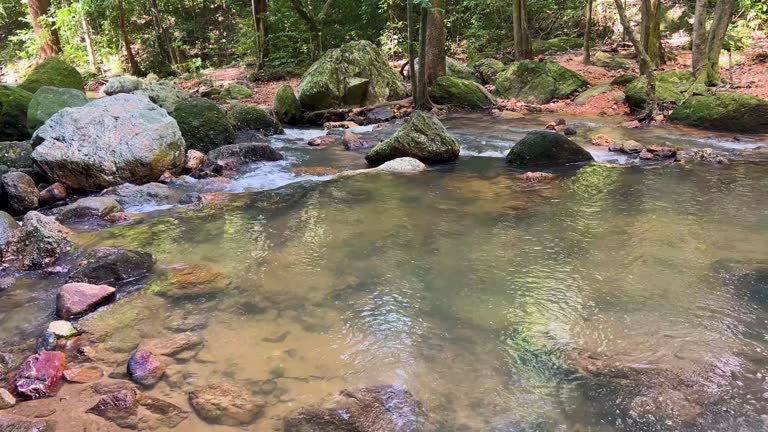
61	328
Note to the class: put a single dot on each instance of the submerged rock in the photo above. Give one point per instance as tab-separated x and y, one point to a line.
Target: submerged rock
145	368
355	74
37	244
226	403
111	266
247	117
241	154
287	106
422	137
47	101
77	299
84	375
113	140
178	345
13	113
724	111
460	93
89	208
746	276
203	124
40	374
15	423
544	148
120	408
53	72
193	281
538	82
370	409
19	191
123	84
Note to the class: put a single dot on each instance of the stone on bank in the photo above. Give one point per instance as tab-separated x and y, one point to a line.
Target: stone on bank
422	137
732	112
460	93
544	148
538	82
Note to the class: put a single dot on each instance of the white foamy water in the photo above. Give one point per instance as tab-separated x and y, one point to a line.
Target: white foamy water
271	175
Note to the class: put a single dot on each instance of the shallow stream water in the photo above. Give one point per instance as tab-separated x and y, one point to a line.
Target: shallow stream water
476	291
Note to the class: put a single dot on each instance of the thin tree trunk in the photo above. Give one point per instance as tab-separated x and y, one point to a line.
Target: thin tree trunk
720	21
651	31
651	105
93	62
520	30
699	36
412	49
132	63
314	24
588	34
48	38
435	63
421	100
259	8
161	33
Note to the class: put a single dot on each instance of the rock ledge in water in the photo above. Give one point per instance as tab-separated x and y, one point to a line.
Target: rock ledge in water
422	137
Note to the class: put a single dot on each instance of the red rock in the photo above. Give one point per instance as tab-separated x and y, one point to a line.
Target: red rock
53	194
145	368
77	299
40	374
646	155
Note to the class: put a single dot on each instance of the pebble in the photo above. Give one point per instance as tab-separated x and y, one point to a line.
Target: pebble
62	329
6	399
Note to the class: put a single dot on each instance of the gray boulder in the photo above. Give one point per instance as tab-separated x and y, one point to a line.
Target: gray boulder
20	191
8	226
47	101
89	208
544	148
123	84
110	141
422	137
131	195
37	244
165	95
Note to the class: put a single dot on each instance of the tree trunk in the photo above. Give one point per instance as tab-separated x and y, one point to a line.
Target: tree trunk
699	36
520	31
646	64
93	62
421	100
132	63
259	8
314	24
48	38
588	34
650	31
412	49
435	63
161	33
720	21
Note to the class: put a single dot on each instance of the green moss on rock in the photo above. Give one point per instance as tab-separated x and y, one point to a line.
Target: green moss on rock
488	69
557	45
538	82
670	87
422	137
623	80
14	103
610	62
203	124
47	101
246	117
53	72
544	148
460	93
236	91
287	106
731	112
457	69
584	97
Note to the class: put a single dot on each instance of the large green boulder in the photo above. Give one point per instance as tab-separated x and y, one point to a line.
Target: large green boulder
13	113
247	117
287	107
165	95
585	96
355	74
47	101
488	69
538	82
422	137
545	148
731	112
557	45
457	69
53	72
670	87
236	91
460	93
203	124
611	62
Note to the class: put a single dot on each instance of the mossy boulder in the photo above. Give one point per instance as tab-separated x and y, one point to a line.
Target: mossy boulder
545	148
236	91
165	95
731	112
670	87
422	137
457	69
16	154
557	45
203	124
53	72
13	113
287	107
623	80
460	93
247	117
47	101
488	69
123	84
355	74
610	62
584	97
538	82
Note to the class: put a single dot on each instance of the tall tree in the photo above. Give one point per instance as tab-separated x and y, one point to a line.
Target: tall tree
646	64
588	34
132	63
93	61
259	10
435	63
161	32
421	97
650	31
706	53
47	36
411	48
314	23
523	49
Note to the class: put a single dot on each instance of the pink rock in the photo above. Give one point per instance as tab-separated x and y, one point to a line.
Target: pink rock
77	299
145	368
40	374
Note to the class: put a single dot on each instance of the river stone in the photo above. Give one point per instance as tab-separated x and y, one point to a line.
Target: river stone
247	117
371	409
725	111
422	137
8	226
62	329
165	95
203	124
353	141
177	345
47	101
236	91
37	244
670	88
145	368
379	115
545	148
15	423
40	374
488	69
194	281
131	195
6	399
20	191
326	84
588	94
120	408
538	82
401	165
16	154
240	154
113	140
460	93
53	194
84	375
14	102
106	265
89	208
53	72
194	160
225	403
123	84
77	299
287	106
